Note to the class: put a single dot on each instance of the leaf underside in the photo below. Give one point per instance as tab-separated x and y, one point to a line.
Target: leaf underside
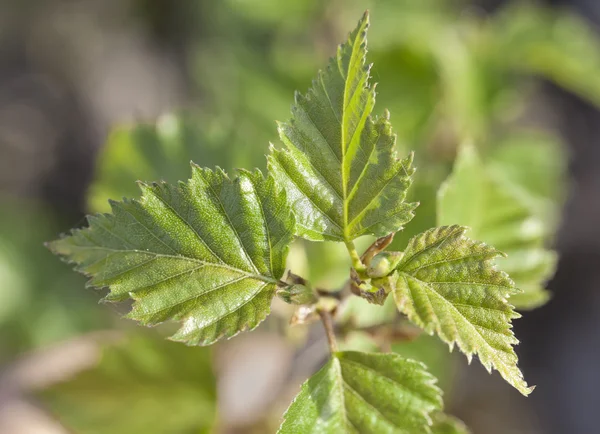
475	196
365	393
206	253
448	284
339	167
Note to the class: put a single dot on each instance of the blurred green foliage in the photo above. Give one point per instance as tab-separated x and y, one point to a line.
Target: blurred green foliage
41	300
142	384
448	74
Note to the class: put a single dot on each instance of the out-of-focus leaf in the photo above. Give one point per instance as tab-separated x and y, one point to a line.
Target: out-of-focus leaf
340	169
207	253
140	385
503	214
448	284
152	152
14	290
532	166
446	424
364	393
433	353
557	45
360	313
42	301
413	24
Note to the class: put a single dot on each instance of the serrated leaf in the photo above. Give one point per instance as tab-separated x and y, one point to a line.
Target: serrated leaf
150	151
163	150
365	393
207	253
446	424
448	284
340	167
501	214
140	385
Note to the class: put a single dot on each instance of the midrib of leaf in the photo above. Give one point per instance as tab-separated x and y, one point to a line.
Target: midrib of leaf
437	244
364	169
381	375
268	234
216	320
344	385
178	257
353	70
338	370
233	228
185	221
366	208
367	403
322	178
196	296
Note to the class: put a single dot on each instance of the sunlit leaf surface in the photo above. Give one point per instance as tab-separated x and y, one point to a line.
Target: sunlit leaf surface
340	168
448	284
364	393
207	253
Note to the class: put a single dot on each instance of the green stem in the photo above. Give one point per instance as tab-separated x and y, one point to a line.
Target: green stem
357	264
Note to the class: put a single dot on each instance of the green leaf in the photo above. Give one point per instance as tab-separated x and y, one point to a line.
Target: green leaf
340	167
534	164
163	150
448	284
207	253
365	393
434	354
446	424
555	44
503	214
148	152
140	385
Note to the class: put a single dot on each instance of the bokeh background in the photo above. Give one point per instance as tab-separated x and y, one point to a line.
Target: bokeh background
95	95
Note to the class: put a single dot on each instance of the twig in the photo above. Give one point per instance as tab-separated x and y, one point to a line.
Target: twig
328	324
354	256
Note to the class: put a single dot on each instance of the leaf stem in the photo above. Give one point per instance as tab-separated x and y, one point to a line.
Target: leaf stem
357	264
328	325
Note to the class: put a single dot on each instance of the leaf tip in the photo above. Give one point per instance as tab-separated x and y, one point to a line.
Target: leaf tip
50	245
364	21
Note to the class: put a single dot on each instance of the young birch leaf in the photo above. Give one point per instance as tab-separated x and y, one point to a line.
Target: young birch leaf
340	167
365	393
207	253
448	284
476	196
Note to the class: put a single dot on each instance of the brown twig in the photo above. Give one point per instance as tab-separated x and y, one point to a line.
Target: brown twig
328	325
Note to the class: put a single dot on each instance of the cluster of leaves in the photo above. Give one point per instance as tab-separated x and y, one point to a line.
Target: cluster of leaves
210	253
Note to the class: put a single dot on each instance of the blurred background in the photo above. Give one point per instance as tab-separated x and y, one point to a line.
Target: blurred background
95	95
